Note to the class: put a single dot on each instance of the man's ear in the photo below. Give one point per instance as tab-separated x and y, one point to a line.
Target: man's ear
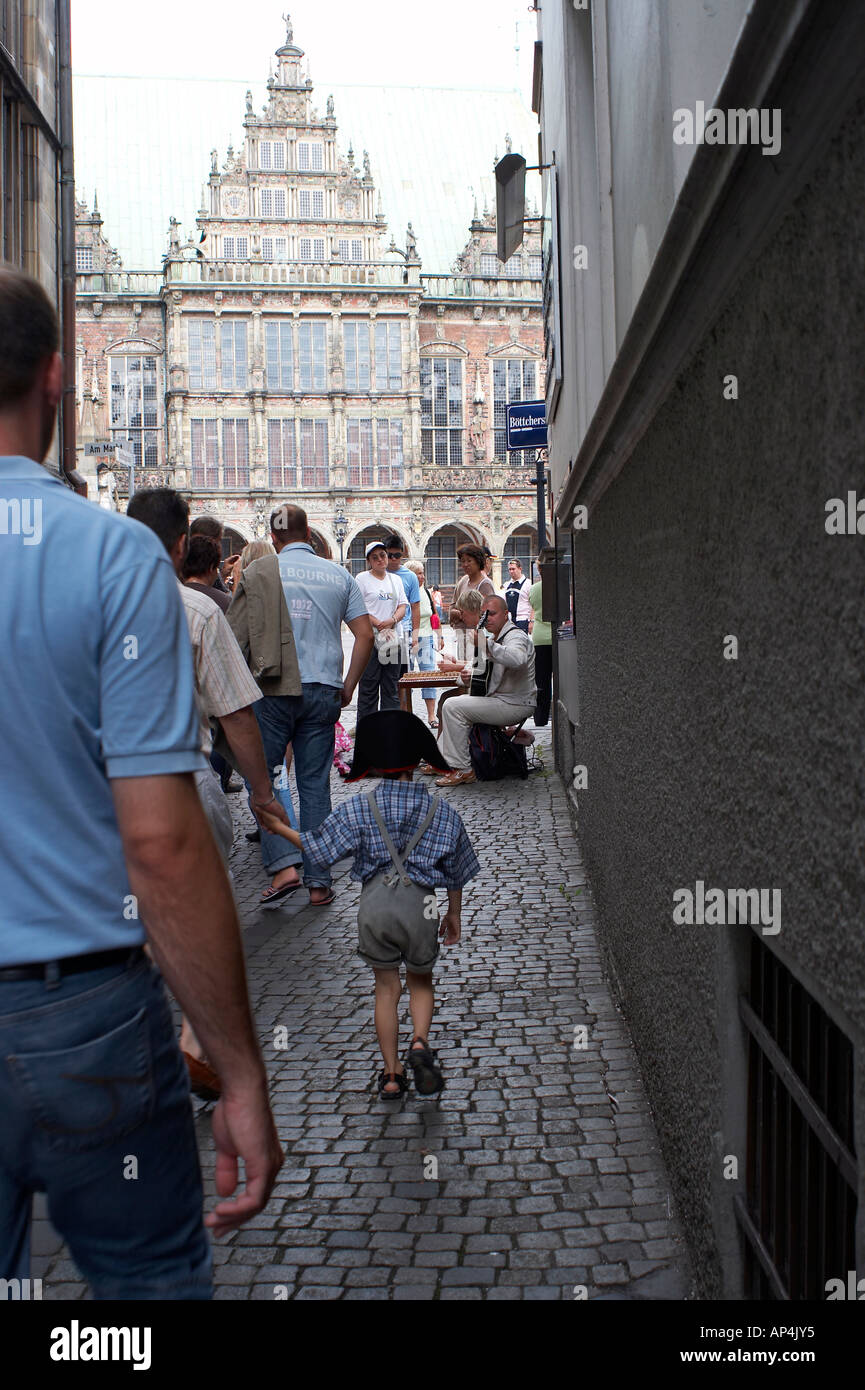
179	552
53	379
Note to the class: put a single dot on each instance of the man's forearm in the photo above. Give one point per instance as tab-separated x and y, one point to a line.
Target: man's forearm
455	901
244	739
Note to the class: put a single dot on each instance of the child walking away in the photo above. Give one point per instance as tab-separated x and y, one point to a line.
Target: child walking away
405	845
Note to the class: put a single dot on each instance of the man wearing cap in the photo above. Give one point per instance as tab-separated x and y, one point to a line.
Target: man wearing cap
386	602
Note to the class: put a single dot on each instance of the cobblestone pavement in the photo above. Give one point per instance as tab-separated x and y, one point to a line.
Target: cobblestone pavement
537	1170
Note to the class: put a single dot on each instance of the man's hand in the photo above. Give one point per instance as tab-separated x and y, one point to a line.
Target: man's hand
450	929
243	1127
466	677
274	809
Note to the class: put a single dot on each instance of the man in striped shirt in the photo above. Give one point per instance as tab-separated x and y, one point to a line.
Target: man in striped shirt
226	692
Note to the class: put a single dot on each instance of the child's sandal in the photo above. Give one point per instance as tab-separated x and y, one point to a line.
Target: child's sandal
428	1079
389	1076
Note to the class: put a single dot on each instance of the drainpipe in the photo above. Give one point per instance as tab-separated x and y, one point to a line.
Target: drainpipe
67	245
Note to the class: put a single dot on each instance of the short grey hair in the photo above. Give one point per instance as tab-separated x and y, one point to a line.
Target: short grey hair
472	601
415	566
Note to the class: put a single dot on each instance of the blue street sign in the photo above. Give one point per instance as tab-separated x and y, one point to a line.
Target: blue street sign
527	425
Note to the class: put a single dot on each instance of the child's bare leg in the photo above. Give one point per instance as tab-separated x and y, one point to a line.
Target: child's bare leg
421	1002
388	988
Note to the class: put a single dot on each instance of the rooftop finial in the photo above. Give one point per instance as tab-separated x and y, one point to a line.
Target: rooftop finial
289	31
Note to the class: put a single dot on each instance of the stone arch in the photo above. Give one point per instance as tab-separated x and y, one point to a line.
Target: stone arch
320	543
520	543
357	542
439	552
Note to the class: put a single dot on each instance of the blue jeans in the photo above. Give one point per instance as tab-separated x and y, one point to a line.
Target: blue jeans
426	661
307	722
94	1096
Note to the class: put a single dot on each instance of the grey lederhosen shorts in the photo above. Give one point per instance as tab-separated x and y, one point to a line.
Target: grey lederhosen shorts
394	925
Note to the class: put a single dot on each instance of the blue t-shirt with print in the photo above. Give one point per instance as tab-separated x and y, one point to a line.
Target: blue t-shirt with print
321	596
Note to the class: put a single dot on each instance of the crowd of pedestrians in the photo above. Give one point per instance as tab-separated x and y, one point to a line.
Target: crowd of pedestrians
134	695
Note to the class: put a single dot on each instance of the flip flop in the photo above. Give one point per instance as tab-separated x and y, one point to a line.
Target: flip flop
275	895
324	902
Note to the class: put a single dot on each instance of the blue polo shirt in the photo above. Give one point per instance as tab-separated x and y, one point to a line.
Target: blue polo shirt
97	684
411	584
321	596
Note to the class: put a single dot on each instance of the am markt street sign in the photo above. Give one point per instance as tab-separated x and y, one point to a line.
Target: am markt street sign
527	425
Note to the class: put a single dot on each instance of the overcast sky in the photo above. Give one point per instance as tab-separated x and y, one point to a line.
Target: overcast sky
453	43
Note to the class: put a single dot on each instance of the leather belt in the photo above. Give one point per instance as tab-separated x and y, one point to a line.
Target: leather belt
71	965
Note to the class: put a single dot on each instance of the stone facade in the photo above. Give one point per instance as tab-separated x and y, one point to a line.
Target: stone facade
294	358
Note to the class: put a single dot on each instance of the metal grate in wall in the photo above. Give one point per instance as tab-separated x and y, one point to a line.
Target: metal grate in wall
799	1213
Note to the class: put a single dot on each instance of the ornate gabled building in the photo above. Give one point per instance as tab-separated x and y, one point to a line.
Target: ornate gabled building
306	359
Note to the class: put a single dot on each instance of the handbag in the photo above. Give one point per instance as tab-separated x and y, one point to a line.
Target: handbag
435	621
387	643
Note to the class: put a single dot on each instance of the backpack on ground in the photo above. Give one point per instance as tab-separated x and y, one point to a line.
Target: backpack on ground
495	755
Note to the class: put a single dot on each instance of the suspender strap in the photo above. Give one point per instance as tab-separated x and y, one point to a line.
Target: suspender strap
389	844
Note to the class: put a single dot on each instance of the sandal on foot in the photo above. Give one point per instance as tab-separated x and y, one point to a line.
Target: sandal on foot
428	1079
389	1076
275	895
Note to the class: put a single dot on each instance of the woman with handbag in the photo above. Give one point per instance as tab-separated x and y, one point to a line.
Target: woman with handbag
429	639
386	602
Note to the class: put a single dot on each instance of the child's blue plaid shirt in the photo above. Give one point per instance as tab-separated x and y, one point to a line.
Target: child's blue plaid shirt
443	858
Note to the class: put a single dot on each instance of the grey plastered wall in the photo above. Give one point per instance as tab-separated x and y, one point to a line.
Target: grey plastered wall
744	773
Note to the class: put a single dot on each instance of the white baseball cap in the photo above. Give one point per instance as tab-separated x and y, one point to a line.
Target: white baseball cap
374	545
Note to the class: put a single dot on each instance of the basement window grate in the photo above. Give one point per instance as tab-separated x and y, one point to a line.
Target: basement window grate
798	1217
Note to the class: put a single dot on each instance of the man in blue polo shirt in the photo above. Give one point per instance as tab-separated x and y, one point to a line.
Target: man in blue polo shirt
320	596
103	839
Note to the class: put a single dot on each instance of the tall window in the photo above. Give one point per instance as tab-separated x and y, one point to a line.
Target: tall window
311	248
360	453
234	376
205	453
212	370
273	202
440	561
209	470
310	155
489	264
521	548
235	453
235	248
202	354
274	248
536	267
513	381
135	408
279	349
513	269
312	353
389	453
388	356
350	249
375	453
83	258
441	418
314	454
282	454
357	359
311	202
271	154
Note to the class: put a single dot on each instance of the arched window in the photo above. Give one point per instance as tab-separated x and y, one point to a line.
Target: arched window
135	411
